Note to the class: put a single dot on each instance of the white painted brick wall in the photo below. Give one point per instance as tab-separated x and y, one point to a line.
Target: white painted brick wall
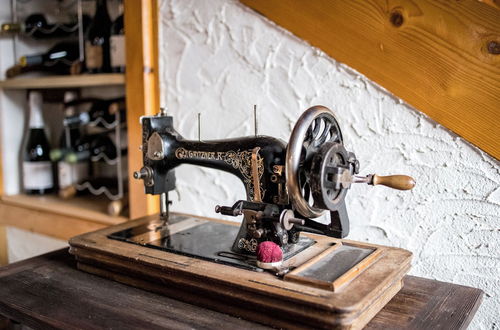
219	58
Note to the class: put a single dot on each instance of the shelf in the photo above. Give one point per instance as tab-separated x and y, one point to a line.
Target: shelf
83	80
54	217
91	208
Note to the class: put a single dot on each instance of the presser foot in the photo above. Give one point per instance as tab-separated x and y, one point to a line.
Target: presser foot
163	228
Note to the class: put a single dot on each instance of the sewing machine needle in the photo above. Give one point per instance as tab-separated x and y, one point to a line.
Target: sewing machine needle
199	127
255	118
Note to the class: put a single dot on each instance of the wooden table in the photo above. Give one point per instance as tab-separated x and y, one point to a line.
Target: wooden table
49	292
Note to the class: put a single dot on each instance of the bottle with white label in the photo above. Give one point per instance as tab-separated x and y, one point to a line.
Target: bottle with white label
117	43
37	167
69	173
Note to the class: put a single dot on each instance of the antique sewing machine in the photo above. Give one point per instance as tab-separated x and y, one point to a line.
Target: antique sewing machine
314	278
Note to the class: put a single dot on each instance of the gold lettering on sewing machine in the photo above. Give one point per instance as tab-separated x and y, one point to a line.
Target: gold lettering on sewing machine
181	153
240	160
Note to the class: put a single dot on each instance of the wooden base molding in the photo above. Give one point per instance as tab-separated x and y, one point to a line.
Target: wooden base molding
257	296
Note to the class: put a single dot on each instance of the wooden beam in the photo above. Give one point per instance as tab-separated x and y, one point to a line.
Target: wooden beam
142	88
1	170
76	81
442	57
4	256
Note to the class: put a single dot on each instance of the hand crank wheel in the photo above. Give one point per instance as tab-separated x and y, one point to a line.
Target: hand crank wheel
315	127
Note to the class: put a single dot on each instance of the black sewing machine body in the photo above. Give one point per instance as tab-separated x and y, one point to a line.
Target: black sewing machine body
229	155
318	280
258	161
287	185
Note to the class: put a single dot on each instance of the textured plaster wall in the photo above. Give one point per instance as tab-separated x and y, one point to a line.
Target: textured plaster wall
220	58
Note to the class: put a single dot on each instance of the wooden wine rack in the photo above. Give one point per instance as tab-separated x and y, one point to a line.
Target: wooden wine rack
53	217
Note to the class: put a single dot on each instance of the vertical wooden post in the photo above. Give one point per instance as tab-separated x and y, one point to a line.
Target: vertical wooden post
4	258
1	169
3	230
142	90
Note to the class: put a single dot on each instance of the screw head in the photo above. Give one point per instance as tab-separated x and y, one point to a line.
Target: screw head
163	111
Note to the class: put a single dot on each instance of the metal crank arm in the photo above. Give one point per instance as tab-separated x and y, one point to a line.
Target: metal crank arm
268	210
338	227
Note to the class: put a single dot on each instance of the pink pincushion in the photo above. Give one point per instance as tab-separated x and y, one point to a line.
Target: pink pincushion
268	252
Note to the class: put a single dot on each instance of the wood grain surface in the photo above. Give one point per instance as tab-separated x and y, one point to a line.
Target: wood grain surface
51	292
76	81
45	222
4	258
429	304
92	208
335	285
48	291
142	88
1	169
257	296
442	57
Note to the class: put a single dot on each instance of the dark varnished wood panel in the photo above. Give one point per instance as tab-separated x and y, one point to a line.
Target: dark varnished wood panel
429	304
48	291
255	296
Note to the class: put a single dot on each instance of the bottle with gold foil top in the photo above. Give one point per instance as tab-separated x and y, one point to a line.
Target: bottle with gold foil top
62	58
37	27
37	167
97	57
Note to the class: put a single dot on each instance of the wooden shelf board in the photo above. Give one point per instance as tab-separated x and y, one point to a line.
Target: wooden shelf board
92	208
84	80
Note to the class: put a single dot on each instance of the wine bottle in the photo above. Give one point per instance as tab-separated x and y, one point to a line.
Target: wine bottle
97	40
63	58
70	173
65	51
37	168
94	147
117	43
70	133
37	27
99	109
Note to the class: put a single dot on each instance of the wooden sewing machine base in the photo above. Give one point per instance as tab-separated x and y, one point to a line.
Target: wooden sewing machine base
331	283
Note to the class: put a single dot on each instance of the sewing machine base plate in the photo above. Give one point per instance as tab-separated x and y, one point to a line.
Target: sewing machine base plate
198	238
331	283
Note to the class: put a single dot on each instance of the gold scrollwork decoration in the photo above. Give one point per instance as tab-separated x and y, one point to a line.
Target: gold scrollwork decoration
240	160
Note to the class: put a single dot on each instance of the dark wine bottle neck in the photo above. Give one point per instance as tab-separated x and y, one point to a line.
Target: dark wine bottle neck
35	105
101	9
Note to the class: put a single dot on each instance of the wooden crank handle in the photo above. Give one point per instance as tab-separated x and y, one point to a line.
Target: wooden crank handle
400	182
